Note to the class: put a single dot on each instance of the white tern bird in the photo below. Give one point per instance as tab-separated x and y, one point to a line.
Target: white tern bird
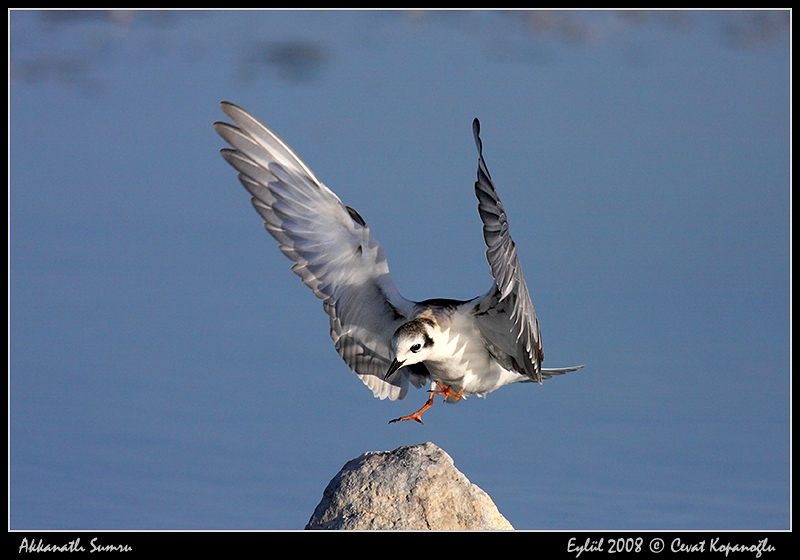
461	348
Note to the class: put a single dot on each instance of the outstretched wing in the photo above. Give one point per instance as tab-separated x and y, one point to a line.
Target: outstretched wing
331	246
505	314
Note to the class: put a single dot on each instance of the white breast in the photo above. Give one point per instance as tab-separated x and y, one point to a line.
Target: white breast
460	359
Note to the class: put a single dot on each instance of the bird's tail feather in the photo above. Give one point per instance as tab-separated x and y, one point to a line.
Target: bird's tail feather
549	372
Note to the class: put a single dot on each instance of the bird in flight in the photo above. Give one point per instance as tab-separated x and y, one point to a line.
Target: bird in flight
460	348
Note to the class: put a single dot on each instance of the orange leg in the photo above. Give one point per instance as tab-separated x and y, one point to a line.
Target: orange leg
446	391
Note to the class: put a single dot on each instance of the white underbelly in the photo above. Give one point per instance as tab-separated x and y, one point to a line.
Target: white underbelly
477	376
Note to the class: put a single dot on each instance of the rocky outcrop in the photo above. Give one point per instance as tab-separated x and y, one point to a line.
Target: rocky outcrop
411	488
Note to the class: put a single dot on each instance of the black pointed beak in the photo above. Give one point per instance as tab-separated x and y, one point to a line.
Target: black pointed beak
393	368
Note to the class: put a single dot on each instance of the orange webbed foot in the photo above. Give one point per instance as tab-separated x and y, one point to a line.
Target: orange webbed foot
416	416
442	390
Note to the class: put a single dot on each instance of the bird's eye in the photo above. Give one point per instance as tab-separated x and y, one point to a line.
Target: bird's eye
415	348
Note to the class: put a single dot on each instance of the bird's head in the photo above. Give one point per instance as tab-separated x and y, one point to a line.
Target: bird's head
412	343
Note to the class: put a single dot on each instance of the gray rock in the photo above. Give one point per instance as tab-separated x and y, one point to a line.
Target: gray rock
412	488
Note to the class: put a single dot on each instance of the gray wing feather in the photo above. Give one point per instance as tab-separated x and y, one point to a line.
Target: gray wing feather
332	249
507	307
